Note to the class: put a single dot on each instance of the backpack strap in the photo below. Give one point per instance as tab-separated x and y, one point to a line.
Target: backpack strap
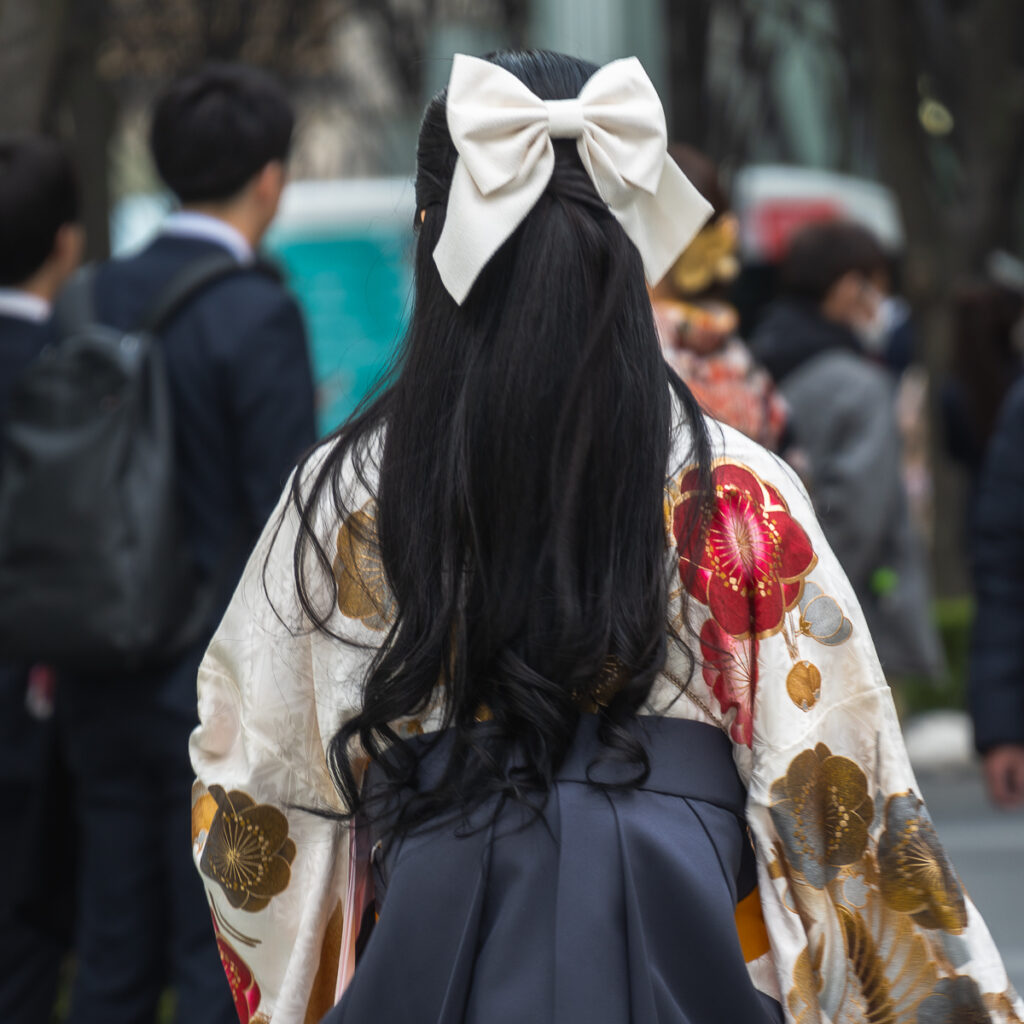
185	285
75	308
189	281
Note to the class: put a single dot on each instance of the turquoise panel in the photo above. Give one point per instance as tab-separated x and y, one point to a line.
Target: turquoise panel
354	289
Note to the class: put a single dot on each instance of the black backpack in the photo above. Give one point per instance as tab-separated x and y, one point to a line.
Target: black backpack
94	573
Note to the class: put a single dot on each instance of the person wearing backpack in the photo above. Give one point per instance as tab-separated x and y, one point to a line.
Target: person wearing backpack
235	358
42	244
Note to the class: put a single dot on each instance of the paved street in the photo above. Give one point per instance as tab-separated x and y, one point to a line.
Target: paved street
987	847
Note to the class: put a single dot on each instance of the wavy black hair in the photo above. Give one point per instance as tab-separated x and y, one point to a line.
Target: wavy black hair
519	491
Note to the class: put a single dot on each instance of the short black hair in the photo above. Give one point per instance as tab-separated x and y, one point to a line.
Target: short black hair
820	254
38	196
215	129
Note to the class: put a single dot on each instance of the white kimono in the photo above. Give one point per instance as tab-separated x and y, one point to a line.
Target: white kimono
859	915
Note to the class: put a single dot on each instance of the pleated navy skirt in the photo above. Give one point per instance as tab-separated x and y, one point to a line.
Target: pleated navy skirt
613	907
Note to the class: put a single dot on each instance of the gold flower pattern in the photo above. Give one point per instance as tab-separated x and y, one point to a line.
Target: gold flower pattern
955	1001
803	996
887	891
363	591
822	811
878	924
916	875
248	852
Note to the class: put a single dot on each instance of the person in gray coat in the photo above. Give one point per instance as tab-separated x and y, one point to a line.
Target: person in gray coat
845	428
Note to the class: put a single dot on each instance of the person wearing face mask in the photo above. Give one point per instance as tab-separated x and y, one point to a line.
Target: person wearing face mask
814	341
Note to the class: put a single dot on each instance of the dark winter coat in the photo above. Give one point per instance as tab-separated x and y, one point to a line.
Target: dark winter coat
997	647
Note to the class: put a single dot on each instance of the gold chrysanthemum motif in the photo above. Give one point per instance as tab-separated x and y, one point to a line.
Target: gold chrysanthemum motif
248	852
363	591
916	875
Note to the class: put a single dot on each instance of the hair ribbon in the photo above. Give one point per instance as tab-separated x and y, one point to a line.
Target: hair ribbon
502	133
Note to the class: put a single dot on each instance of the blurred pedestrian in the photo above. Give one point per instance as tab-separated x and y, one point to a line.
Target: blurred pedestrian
988	346
630	754
42	244
996	677
844	423
242	401
698	326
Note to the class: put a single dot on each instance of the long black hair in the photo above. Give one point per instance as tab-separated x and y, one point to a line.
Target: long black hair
517	455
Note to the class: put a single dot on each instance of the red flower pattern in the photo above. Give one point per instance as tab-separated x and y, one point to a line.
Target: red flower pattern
750	569
244	989
730	669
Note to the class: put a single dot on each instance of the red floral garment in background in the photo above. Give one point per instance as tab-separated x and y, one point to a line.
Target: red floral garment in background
700	344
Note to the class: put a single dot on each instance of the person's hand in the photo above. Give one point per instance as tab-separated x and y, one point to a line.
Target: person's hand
1004	775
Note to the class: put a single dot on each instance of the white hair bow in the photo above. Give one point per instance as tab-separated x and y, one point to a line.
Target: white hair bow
503	134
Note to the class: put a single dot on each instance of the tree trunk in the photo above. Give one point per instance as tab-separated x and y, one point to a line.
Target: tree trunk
49	81
86	113
686	51
30	33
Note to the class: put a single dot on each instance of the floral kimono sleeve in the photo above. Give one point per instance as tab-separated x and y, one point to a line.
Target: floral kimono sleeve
272	693
865	916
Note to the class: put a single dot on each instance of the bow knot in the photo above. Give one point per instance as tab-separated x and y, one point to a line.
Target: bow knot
565	118
502	133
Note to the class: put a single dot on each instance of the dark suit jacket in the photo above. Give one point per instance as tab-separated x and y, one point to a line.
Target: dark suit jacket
242	391
25	743
997	645
20	342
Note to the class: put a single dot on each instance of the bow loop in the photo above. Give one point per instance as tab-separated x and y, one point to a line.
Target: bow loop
502	133
495	122
627	137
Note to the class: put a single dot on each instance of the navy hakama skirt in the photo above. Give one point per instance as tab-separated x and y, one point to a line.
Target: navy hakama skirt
612	907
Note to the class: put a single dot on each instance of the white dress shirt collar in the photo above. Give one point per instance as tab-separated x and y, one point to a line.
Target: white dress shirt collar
22	305
189	224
